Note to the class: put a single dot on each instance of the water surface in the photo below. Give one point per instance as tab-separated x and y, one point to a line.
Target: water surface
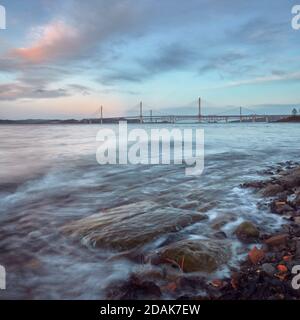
49	177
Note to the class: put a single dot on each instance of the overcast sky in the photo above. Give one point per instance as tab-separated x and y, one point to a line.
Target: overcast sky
66	58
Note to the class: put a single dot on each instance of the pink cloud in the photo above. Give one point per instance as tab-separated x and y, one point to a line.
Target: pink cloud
52	41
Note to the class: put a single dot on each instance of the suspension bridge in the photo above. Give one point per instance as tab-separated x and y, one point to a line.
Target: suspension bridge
241	114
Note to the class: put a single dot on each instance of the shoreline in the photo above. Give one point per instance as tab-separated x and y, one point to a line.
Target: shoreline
265	274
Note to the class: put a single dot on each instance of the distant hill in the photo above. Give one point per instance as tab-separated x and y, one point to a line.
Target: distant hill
290	119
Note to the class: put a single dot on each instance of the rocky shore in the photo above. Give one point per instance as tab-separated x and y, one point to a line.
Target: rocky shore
175	269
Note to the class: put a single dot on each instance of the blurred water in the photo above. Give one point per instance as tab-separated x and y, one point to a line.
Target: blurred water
49	176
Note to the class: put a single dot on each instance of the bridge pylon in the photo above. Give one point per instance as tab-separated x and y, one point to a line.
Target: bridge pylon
141	112
199	110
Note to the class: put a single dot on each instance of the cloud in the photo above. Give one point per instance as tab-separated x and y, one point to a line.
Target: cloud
282	76
200	37
223	62
53	41
168	58
13	91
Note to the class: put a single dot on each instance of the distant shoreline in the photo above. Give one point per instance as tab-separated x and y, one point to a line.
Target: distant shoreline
288	119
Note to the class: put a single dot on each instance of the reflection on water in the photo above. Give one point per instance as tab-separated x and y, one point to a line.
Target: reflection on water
49	177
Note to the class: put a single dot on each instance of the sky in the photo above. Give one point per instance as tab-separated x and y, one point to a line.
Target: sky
64	59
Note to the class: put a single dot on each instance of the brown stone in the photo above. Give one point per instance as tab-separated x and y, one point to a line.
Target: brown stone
131	226
247	231
297	220
196	255
256	255
277	240
272	190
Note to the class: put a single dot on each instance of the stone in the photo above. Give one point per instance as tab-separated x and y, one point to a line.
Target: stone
220	235
197	255
247	232
297	220
192	205
256	255
277	240
268	269
219	222
131	226
297	200
290	180
272	190
133	289
281	207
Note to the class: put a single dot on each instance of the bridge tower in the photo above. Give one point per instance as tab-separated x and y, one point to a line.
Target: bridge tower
199	110
141	112
101	114
241	116
151	116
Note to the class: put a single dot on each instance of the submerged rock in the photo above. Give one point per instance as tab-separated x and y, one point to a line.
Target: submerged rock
220	222
132	225
247	232
196	255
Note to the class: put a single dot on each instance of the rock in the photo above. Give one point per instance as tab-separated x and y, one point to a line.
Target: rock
268	269
297	251
220	222
192	205
281	207
272	190
292	180
131	226
256	255
133	289
247	232
197	255
297	220
297	200
277	240
282	196
220	235
282	268
253	184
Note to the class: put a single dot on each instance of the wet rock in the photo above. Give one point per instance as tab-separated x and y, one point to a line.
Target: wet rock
220	222
131	226
133	289
281	207
292	180
192	205
196	255
220	235
297	200
272	190
253	184
297	220
247	232
277	240
256	255
268	269
297	251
